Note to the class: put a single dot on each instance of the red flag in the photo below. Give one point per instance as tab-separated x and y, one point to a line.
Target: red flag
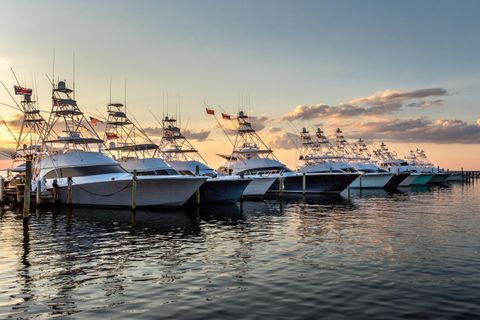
226	116
210	111
21	90
111	135
94	121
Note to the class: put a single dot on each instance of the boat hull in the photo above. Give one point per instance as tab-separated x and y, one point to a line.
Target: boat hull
258	186
315	183
397	179
421	179
223	190
151	192
408	180
455	177
376	180
439	178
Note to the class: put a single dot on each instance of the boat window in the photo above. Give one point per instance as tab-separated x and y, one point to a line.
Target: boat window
186	173
146	173
166	172
368	170
162	172
264	170
83	171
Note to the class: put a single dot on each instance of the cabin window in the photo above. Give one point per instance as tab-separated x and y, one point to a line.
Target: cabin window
83	171
263	170
166	172
186	173
146	173
162	172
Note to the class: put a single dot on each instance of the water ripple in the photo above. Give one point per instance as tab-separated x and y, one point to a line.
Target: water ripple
411	253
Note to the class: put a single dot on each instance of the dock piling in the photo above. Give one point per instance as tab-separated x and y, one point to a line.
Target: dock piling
69	191
38	199
304	183
27	190
2	189
134	190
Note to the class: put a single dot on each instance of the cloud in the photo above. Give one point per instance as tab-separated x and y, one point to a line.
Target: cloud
380	103
390	96
284	140
199	135
426	104
14	122
419	130
153	131
274	129
258	122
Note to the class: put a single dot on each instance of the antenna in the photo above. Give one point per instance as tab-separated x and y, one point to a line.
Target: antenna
167	103
163	104
110	99
53	69
73	75
125	93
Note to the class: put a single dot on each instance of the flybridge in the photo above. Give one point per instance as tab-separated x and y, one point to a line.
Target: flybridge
175	146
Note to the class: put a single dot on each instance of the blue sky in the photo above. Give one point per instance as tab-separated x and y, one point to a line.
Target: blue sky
280	54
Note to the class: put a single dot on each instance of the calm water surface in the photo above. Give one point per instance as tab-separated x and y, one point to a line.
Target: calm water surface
413	253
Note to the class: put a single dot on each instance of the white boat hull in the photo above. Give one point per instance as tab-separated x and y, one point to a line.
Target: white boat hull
412	177
376	180
258	186
152	191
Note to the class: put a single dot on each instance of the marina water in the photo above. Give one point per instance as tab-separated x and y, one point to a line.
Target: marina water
410	253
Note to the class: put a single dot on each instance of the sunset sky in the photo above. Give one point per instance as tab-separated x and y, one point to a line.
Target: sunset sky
404	72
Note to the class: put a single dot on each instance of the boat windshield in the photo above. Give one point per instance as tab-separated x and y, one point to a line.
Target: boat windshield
83	171
265	170
162	172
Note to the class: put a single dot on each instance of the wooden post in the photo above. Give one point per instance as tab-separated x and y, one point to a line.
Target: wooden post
134	190
38	200
304	183
281	186
69	191
361	181
2	189
19	189
197	197
27	188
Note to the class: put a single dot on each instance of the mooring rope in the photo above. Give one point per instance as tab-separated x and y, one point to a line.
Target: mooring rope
101	195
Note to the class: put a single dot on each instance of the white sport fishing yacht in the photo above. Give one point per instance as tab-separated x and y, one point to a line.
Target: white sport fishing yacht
389	161
317	155
184	158
81	176
372	176
253	158
135	152
424	165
